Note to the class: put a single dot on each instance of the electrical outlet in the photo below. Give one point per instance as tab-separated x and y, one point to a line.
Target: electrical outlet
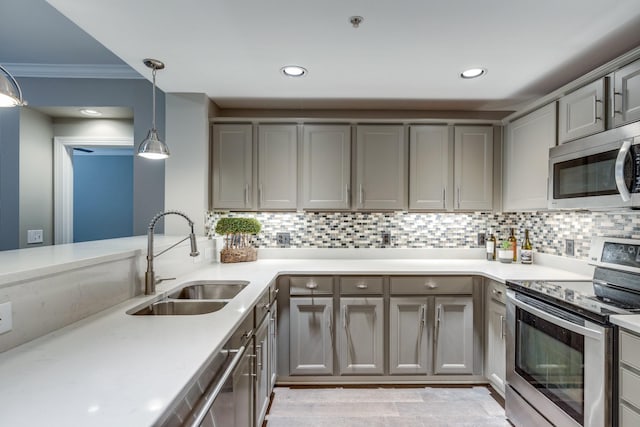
569	247
34	236
6	320
481	239
386	238
283	239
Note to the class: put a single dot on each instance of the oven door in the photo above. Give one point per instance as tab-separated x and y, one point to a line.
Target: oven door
557	363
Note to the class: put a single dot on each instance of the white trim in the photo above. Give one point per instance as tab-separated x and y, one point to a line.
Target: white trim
73	71
63	179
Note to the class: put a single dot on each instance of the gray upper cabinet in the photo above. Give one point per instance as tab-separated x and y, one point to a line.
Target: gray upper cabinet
581	112
381	168
430	167
526	160
473	168
277	167
626	94
232	167
326	167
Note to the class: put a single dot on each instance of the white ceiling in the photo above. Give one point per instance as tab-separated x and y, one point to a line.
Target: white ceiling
406	53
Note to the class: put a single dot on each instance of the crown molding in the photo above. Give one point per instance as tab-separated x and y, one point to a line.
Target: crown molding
73	71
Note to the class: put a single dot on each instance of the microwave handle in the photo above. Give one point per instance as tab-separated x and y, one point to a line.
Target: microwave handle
619	170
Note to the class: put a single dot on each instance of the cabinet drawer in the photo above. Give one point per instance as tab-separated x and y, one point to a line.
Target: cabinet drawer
361	285
630	387
307	285
497	292
420	285
628	417
630	349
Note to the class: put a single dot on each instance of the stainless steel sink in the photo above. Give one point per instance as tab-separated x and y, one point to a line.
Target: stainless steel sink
177	307
209	290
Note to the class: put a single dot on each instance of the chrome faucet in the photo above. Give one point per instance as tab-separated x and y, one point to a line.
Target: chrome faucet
149	276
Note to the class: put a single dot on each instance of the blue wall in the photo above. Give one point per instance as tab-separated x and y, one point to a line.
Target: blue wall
102	197
148	175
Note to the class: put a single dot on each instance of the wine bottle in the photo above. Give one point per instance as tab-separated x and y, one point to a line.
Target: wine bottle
491	246
513	245
526	252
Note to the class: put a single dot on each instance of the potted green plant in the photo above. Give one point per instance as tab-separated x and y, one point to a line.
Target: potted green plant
237	234
505	252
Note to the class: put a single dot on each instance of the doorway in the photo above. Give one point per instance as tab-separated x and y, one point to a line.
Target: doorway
106	196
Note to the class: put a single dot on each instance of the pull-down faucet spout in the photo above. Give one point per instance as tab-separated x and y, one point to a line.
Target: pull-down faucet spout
149	275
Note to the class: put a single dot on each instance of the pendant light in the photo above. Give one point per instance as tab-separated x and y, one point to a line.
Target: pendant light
10	92
152	147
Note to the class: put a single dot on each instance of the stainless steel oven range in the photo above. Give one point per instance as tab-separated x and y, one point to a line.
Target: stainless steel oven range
560	343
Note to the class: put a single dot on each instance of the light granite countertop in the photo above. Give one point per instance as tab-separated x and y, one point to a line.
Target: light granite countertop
113	369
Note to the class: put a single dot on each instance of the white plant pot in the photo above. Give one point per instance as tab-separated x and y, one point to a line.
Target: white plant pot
505	255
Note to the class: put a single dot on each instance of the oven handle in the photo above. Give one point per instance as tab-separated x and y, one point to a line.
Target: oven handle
211	393
619	170
597	335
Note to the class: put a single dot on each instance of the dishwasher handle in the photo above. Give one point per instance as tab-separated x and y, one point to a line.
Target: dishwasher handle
214	389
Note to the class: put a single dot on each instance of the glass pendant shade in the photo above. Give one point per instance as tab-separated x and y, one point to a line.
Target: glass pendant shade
10	93
152	147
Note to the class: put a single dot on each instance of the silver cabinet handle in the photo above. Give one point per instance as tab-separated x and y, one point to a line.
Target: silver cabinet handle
214	389
311	285
502	328
444	198
438	314
259	358
361	195
362	286
458	197
614	109
496	292
347	194
595	109
246	194
344	316
260	194
423	315
430	285
330	325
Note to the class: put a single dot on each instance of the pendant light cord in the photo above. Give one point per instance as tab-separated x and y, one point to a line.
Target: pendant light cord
153	122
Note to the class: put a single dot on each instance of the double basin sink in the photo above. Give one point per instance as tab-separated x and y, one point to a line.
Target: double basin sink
197	297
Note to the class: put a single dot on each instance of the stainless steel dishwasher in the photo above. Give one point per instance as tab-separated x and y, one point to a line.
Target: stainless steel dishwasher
222	396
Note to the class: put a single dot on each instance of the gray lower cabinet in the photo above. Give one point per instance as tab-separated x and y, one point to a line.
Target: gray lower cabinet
273	346
408	339
629	379
243	389
361	336
310	336
453	335
495	366
262	373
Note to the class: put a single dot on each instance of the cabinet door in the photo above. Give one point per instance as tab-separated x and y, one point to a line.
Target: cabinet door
626	94
310	336
361	348
232	167
243	392
277	167
408	342
326	167
526	160
381	171
273	347
262	371
581	112
430	167
496	346
473	167
453	335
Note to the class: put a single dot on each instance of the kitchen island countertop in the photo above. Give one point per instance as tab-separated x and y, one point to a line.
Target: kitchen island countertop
116	369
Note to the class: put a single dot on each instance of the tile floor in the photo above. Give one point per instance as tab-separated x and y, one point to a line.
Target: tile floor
378	407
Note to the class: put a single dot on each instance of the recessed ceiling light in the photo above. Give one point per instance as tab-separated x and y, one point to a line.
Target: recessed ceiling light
293	71
90	112
472	73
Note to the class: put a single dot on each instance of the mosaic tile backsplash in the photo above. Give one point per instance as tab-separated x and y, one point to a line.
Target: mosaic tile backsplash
548	230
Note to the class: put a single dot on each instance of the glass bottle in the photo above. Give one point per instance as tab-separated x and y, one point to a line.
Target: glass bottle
526	252
491	245
513	245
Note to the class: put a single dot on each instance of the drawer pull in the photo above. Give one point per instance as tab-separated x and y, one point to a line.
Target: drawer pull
496	292
362	286
311	285
431	285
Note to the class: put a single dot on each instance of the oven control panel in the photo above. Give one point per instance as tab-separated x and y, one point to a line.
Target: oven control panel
622	254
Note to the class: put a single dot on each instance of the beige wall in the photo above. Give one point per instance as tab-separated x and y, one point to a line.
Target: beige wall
36	175
115	128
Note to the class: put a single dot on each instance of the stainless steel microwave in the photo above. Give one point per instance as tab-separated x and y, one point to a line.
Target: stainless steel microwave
601	171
